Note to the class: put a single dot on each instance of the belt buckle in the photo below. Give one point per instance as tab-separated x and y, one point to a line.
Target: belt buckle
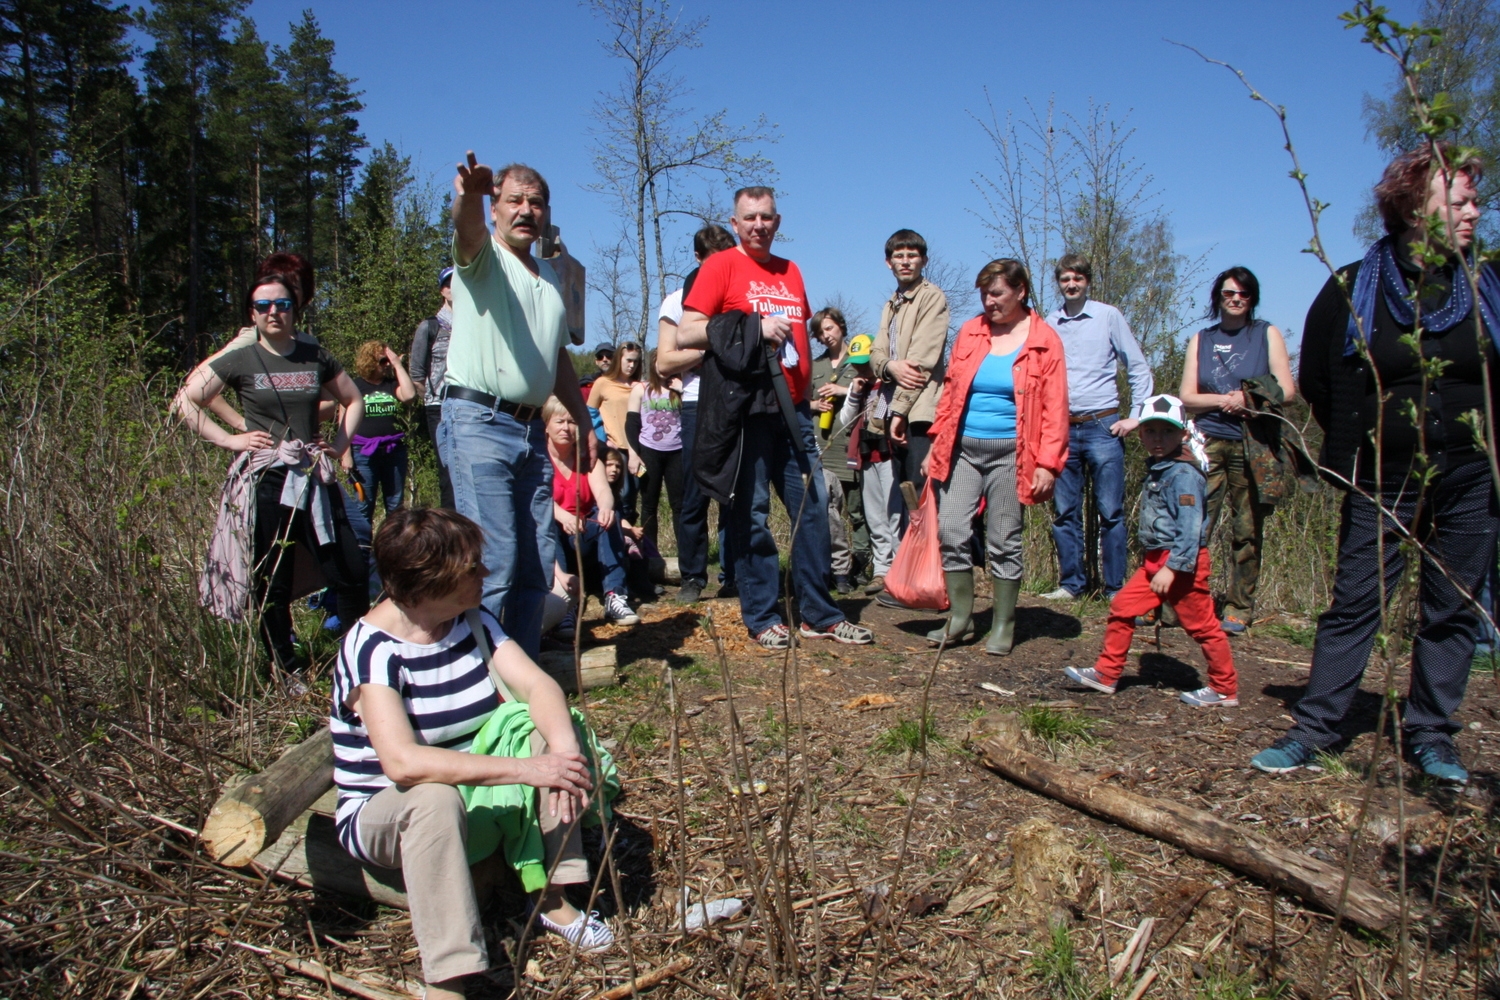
526	414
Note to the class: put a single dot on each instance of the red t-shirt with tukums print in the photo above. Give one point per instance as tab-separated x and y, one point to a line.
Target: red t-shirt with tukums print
733	280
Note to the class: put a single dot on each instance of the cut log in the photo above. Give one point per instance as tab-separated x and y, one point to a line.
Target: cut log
598	668
256	811
1198	832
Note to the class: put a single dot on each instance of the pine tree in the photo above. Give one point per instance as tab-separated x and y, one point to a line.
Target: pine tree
322	142
184	72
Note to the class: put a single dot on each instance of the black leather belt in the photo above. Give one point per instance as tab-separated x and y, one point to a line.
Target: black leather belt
523	412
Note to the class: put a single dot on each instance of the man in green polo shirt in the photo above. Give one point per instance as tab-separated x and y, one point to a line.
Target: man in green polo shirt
506	355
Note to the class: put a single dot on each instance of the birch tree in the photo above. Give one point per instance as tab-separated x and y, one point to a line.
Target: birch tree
651	150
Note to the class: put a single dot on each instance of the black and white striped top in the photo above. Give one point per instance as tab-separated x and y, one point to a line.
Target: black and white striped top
445	686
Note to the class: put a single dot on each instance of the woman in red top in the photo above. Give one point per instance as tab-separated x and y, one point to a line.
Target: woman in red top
583	507
1001	435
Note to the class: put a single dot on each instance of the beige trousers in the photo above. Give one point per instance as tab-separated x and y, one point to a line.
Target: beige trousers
423	830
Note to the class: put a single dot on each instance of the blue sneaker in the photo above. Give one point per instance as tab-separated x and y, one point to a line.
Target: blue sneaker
1088	677
1286	754
1440	761
1233	626
1207	697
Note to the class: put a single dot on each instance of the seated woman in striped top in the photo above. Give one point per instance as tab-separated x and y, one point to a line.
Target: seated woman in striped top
410	692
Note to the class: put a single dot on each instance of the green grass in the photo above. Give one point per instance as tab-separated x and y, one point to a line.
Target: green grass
1057	966
642	736
1333	764
1221	984
1054	726
1297	635
855	825
906	737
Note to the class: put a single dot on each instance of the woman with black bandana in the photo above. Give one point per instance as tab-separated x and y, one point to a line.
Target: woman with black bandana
280	486
1402	432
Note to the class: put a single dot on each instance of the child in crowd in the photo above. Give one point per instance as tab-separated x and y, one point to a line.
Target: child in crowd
639	548
1174	534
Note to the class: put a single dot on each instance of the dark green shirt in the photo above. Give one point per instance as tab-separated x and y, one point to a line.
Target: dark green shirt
835	441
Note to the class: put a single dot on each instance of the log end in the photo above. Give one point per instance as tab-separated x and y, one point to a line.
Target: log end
234	833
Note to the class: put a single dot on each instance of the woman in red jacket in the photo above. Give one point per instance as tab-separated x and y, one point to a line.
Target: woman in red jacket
1001	435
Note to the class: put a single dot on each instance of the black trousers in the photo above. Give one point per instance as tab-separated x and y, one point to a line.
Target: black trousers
342	562
910	456
445	485
662	468
1458	525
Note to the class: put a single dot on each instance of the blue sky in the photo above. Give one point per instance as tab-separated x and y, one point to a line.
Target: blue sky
873	102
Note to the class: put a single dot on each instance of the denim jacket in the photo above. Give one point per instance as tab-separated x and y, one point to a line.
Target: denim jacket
1172	517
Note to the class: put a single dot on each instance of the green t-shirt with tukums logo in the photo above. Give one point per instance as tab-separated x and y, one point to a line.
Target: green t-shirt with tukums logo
382	408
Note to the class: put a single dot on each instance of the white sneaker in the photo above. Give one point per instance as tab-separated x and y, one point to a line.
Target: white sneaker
587	931
617	610
1060	594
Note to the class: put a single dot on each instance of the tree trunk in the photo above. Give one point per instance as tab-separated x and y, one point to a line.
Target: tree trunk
1197	832
254	812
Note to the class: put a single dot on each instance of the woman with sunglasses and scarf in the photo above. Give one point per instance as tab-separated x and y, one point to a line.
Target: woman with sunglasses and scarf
1401	384
1219	361
280	487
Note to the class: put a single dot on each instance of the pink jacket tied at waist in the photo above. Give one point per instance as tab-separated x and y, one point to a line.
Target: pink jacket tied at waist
226	585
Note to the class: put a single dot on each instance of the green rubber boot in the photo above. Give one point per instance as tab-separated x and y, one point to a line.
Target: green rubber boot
1003	628
960	609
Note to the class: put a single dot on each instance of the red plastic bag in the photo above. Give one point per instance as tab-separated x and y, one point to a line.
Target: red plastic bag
916	576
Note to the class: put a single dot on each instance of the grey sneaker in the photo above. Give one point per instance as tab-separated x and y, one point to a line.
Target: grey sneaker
691	592
1088	677
843	631
1207	697
617	610
1060	594
778	636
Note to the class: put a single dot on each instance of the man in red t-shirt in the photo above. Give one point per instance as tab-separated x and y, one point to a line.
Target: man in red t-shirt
750	279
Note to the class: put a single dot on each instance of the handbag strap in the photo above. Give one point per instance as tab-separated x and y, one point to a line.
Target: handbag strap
482	637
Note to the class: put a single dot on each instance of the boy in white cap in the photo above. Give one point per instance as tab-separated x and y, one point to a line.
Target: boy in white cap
1174	534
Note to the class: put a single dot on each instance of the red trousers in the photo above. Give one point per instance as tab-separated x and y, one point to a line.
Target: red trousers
1194	605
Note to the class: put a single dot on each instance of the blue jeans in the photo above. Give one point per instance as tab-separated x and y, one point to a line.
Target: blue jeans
384	471
605	548
502	481
770	457
1091	444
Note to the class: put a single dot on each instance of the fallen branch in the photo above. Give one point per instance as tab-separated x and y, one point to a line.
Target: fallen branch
320	973
644	982
1197	832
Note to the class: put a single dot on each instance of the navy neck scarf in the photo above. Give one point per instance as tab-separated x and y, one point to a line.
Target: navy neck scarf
1380	272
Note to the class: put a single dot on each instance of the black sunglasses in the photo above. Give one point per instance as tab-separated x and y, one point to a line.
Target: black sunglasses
282	305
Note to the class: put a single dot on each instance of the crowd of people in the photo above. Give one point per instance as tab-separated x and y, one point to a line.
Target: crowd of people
549	482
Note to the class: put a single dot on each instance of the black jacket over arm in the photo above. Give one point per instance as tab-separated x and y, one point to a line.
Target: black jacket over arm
733	384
